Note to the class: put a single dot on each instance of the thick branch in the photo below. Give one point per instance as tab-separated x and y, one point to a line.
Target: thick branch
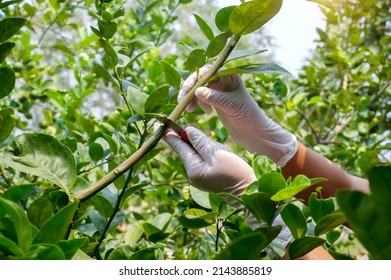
155	138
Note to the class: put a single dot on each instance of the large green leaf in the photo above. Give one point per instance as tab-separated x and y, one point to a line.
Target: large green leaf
21	225
368	215
295	220
70	247
54	229
320	207
7	120
137	99
7	81
5	50
157	100
205	28
248	246
18	192
172	75
196	59
40	211
260	205
9	247
44	156
216	45
263	68
44	251
302	246
299	183
9	27
222	18
271	183
252	15
330	222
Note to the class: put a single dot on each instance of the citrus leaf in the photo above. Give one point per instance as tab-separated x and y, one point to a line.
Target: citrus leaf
295	221
9	27
302	246
21	225
205	28
7	120
250	16
330	222
222	18
44	156
7	81
54	229
5	50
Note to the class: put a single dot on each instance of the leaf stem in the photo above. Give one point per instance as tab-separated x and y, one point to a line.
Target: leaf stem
159	133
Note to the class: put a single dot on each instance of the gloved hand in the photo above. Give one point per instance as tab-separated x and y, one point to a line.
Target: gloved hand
240	114
210	165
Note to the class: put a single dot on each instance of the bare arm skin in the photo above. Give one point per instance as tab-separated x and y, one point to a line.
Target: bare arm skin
314	165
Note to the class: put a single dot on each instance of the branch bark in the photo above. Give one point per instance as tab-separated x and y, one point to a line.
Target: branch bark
159	133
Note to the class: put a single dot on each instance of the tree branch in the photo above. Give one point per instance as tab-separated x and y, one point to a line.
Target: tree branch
155	138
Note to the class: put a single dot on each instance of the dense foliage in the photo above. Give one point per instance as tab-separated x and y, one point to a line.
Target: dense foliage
81	83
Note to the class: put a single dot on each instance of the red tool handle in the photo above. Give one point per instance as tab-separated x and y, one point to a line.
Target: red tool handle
184	136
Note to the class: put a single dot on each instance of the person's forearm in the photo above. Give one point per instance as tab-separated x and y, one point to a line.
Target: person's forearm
313	165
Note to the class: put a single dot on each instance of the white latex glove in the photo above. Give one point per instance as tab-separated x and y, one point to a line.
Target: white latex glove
240	114
210	165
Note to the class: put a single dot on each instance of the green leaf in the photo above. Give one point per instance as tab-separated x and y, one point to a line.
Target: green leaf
216	45
295	221
44	156
329	222
172	75
325	3
299	183
144	254
192	218
70	247
271	183
18	192
260	205
45	252
248	246
8	246
302	246
157	100
7	120
121	252
102	205
263	68
137	99
320	207
9	27
8	3
54	229
134	232
21	225
237	54
104	73
96	151
162	221
368	215
153	233
40	211
7	81
200	197
108	28
222	18
110	52
205	28
196	59
5	50
250	16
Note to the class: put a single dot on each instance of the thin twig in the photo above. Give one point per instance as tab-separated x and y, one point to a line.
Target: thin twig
155	138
